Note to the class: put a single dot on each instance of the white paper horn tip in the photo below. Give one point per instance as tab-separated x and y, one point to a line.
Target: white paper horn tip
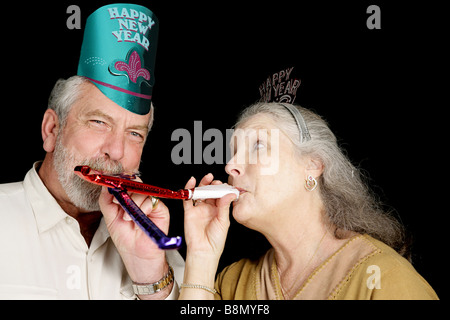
214	192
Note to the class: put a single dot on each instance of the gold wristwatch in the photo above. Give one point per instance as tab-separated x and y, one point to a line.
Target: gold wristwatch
151	288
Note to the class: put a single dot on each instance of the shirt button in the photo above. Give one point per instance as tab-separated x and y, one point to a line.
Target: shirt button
69	220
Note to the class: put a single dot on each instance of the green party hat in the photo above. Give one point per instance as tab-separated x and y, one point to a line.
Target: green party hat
118	54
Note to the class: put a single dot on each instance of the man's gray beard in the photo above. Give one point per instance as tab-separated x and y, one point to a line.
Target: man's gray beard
83	195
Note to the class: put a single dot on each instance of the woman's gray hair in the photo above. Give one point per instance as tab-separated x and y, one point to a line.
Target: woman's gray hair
66	92
349	203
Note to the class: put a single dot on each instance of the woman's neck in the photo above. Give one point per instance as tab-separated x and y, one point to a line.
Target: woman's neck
301	244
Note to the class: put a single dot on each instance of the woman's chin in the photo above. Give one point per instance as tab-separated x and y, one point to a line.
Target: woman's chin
240	214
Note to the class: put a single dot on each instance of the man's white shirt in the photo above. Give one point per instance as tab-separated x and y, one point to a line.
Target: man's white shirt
44	256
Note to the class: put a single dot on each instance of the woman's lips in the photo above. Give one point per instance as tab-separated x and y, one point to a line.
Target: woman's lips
241	190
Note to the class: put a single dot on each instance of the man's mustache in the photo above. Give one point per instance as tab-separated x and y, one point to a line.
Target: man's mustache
104	165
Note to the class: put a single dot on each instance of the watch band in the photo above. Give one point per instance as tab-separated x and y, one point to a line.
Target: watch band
151	288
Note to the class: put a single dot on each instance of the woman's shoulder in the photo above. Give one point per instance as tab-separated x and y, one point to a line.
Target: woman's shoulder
391	262
385	274
237	280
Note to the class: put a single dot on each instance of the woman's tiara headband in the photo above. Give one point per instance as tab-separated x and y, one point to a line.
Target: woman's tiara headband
301	124
280	87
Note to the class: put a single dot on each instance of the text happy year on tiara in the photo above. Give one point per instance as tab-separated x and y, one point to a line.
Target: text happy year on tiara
280	87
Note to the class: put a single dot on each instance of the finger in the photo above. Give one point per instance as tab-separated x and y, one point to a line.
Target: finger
226	200
121	212
191	183
160	215
224	208
206	180
138	198
197	202
187	204
110	210
126	217
160	210
106	201
142	201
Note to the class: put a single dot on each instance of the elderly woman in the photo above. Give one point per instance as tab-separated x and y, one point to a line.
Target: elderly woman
330	238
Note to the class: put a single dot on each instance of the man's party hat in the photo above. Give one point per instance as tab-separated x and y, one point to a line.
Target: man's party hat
118	54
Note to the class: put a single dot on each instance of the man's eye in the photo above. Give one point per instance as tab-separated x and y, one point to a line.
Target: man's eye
136	134
99	122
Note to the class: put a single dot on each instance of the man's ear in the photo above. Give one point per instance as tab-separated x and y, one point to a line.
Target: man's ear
49	129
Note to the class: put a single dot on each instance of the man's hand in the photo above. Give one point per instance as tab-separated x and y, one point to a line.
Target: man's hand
144	261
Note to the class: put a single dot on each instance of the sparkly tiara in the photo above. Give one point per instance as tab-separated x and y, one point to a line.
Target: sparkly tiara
281	88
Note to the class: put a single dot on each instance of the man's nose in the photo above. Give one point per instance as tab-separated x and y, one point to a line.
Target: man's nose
114	146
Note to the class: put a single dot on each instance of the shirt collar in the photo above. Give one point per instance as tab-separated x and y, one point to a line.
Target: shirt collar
47	211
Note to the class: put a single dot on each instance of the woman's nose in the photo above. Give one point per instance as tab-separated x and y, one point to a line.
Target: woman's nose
234	168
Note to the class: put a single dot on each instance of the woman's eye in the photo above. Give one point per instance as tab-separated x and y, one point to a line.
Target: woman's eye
258	145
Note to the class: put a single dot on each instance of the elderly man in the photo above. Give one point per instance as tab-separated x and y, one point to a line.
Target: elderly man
62	237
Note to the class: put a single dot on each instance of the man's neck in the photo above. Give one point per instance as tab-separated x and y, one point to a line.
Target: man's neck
88	221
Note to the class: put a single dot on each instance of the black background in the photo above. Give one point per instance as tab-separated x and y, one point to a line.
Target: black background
376	88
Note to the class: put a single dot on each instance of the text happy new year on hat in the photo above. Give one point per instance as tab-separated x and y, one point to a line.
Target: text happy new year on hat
131	30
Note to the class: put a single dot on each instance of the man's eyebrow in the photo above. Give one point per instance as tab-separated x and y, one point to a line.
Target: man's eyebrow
99	113
140	128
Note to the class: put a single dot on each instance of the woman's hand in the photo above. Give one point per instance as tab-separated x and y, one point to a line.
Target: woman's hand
205	227
206	223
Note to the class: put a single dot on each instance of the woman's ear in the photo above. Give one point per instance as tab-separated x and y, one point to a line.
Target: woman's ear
49	130
314	167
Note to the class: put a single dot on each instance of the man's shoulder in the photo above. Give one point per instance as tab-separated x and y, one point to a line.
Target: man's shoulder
11	189
12	198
